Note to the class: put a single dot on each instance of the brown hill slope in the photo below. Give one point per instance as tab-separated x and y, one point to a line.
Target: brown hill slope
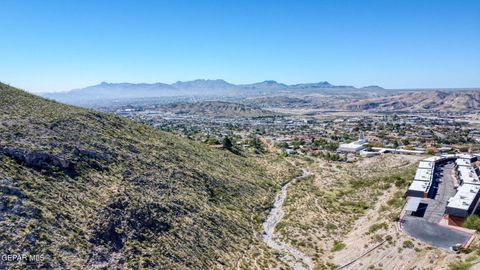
92	190
438	101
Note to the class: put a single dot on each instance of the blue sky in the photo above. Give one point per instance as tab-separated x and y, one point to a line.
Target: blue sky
61	45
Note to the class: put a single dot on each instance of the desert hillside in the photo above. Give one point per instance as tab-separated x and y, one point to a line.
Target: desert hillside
439	101
92	190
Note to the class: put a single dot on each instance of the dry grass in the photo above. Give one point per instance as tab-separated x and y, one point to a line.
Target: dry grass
322	210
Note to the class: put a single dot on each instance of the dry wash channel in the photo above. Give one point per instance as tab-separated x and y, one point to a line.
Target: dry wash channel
294	257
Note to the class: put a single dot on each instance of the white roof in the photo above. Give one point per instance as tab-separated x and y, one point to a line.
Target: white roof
353	146
426	165
423	175
464	156
464	197
419	186
434	159
410	151
468	175
400	151
463	162
413	204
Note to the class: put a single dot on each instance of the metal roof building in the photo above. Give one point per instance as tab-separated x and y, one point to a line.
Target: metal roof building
467	156
463	162
464	201
426	165
423	175
467	175
423	179
352	147
419	189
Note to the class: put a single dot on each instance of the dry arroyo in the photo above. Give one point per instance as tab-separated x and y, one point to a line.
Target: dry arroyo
291	255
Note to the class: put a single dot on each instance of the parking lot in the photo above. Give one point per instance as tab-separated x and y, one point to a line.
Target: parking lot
434	233
424	224
441	191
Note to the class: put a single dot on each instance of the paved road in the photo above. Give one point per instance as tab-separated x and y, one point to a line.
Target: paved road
444	191
433	233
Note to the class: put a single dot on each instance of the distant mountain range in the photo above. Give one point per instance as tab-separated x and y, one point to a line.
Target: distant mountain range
109	91
271	94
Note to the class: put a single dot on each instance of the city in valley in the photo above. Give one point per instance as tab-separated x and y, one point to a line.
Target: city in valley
240	135
384	171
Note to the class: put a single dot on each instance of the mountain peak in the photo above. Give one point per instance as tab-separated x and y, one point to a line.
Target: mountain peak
373	87
199	87
270	82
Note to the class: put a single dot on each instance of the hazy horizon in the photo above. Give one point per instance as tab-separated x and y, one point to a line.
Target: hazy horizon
59	46
246	83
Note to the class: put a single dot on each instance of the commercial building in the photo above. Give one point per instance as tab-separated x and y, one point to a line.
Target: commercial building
419	189
468	157
462	204
467	175
423	179
463	162
465	201
423	175
353	147
429	165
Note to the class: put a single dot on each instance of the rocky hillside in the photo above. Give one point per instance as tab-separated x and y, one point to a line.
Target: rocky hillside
92	190
438	101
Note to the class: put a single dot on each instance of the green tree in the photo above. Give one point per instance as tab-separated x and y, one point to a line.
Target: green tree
257	145
227	143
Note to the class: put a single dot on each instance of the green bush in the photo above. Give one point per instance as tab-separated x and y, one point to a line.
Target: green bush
472	222
337	246
460	265
407	244
378	226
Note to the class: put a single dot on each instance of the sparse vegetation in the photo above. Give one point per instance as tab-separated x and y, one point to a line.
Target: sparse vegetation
377	226
91	189
459	265
407	244
337	246
327	205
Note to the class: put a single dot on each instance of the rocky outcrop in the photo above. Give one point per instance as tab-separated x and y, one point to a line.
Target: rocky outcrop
41	161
